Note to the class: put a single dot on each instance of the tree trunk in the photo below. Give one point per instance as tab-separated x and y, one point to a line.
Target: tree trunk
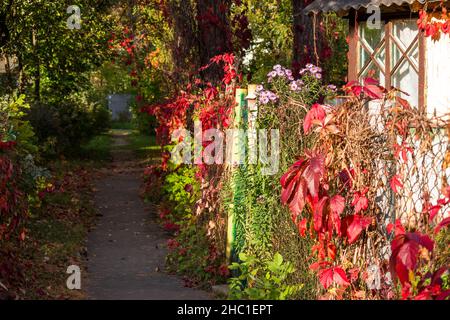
214	33
185	45
306	45
37	72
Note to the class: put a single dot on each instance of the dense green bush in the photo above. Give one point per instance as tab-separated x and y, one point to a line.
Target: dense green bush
142	121
63	126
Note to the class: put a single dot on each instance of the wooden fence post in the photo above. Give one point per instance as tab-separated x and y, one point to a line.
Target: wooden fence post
236	153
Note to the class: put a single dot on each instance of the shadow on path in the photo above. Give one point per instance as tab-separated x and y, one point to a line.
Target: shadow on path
127	249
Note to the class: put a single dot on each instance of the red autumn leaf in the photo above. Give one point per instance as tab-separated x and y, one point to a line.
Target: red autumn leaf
326	126
286	178
316	266
360	202
434	210
353	87
422	239
294	188
326	277
403	151
405	251
288	183
228	58
333	275
331	250
372	89
298	201
430	30
446	27
354	225
317	112
302	227
319	213
314	171
340	277
319	249
443	224
399	229
335	223
216	59
337	204
210	93
407	254
423	19
396	183
437	276
301	182
424	295
403	103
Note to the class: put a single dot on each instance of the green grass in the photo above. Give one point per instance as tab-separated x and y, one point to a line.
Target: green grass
122	125
99	148
144	145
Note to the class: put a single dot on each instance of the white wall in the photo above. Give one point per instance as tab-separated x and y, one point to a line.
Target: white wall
438	76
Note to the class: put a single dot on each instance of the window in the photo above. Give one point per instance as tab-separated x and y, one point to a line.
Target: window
402	69
372	53
405	58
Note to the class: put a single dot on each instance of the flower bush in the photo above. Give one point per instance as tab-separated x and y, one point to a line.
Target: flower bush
20	178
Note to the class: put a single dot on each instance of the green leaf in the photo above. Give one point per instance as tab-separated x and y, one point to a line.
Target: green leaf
278	259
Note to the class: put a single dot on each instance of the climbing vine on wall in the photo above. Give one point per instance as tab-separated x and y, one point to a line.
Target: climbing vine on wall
435	22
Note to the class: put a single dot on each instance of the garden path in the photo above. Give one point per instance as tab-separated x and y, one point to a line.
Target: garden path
127	249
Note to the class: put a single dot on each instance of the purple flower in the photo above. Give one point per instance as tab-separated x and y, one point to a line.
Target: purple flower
280	73
277	67
318	76
315	70
265	97
293	86
259	88
264	100
332	87
272	74
296	85
272	96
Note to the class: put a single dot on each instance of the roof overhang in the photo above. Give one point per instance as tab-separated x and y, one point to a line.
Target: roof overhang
343	7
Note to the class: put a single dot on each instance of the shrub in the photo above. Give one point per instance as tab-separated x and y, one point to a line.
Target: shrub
266	279
62	127
142	121
20	178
